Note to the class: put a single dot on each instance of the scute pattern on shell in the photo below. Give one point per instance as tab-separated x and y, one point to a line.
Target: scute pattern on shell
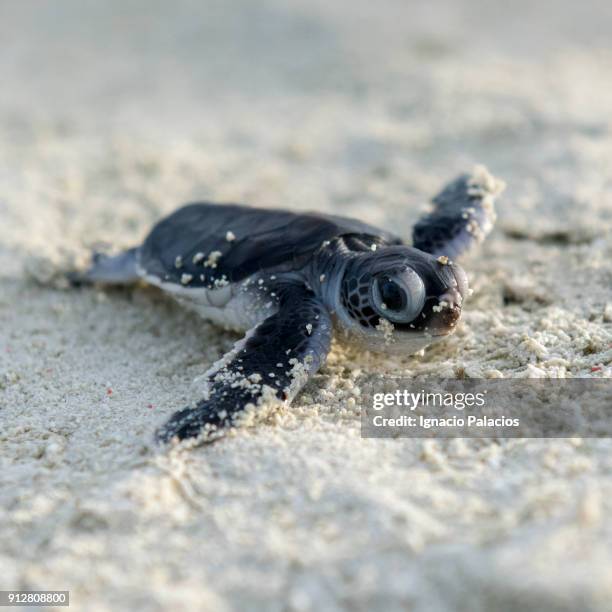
192	242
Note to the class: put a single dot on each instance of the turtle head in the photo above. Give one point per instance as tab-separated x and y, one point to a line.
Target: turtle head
398	299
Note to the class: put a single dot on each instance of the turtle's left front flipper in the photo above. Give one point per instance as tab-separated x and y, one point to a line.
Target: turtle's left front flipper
269	366
463	215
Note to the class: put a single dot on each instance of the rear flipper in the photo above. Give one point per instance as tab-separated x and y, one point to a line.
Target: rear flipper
119	269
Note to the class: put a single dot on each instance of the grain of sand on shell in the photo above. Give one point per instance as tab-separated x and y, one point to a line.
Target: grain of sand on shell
113	114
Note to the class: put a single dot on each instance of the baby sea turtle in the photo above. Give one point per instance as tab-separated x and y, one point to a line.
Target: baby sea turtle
289	279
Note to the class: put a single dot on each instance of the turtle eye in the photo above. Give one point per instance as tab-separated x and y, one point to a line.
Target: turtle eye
399	297
392	295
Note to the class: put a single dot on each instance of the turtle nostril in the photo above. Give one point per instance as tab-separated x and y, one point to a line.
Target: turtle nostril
451	298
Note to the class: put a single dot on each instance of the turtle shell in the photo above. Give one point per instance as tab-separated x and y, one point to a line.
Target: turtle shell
204	244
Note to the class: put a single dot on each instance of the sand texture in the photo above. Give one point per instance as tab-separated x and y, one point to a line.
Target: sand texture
112	114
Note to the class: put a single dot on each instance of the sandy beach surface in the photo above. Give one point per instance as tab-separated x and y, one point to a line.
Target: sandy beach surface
112	114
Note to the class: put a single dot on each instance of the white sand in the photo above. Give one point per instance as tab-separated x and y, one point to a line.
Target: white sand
110	117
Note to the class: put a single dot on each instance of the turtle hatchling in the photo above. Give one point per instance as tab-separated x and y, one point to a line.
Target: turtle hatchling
291	280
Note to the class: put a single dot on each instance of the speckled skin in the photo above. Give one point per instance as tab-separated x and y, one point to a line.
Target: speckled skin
290	278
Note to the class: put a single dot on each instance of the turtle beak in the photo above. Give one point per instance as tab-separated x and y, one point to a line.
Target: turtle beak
450	303
452	299
448	312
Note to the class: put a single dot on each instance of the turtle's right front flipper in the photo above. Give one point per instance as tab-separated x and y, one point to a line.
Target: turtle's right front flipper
269	366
